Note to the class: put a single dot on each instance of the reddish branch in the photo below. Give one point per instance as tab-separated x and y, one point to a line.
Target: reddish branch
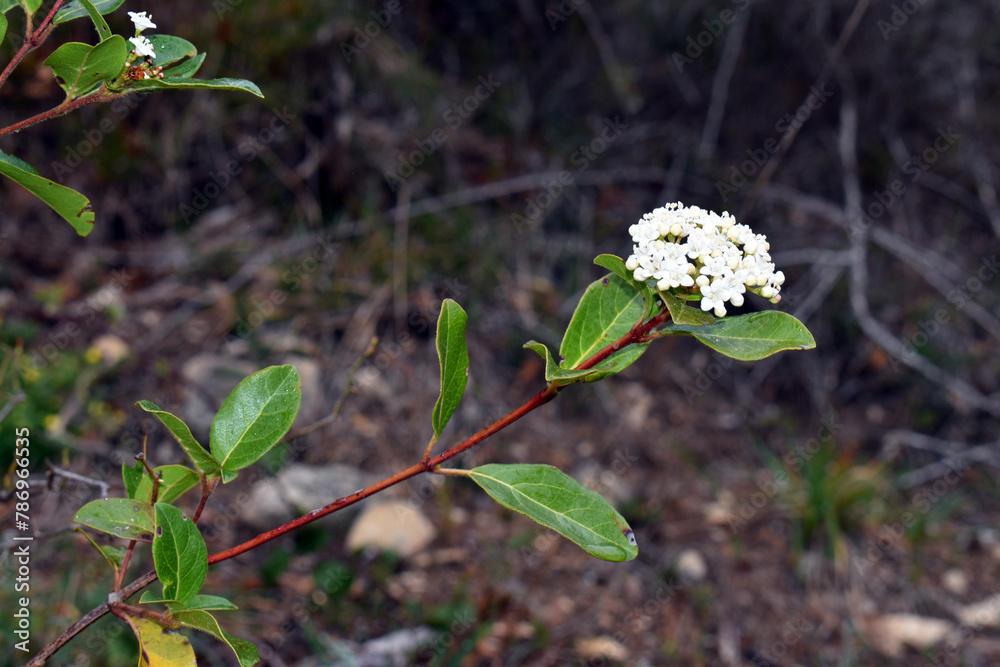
32	39
638	334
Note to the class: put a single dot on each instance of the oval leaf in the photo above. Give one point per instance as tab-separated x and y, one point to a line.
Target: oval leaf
607	311
750	337
454	357
615	363
255	417
159	647
245	652
203	603
180	82
82	68
70	204
556	500
179	554
121	517
3	26
202	460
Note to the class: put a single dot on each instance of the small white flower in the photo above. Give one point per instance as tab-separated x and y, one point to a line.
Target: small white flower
141	21
143	47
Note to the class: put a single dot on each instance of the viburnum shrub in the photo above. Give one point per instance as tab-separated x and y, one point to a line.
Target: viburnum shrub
679	255
94	73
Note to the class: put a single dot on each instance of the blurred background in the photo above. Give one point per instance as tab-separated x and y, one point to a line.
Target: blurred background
830	507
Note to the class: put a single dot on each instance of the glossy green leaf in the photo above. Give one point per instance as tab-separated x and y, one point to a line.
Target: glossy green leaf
7	5
99	23
70	204
175	481
179	554
681	313
615	363
121	517
131	477
616	265
159	647
115	555
83	68
3	26
215	84
556	500
255	416
245	652
75	10
750	337
202	460
607	311
170	49
454	359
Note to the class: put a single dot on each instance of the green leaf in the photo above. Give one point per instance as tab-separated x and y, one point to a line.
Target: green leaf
186	69
607	311
83	68
556	500
255	416
170	49
750	337
159	647
245	652
121	517
615	363
99	23
454	357
115	555
681	313
75	10
203	602
3	26
616	265
202	460
179	554
176	480
132	476
179	82
70	204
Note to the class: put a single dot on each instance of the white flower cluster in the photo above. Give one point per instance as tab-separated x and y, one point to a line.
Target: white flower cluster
685	246
143	47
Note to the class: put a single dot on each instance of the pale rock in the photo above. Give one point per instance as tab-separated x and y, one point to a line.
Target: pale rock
112	348
983	613
955	581
690	566
392	525
594	648
892	632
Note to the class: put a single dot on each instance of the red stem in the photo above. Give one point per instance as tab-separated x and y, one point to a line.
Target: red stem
636	335
32	41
